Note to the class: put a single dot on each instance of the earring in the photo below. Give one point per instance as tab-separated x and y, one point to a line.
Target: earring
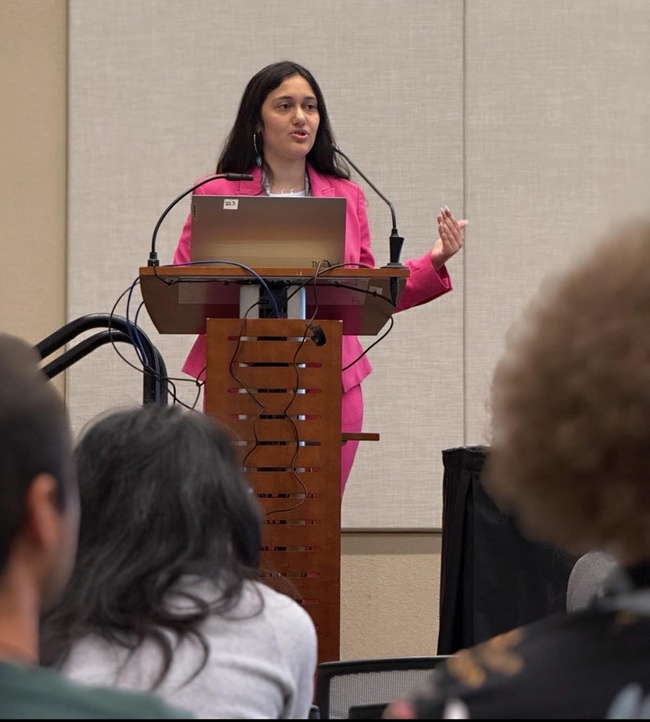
258	157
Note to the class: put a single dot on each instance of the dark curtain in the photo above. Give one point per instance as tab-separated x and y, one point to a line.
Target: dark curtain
492	578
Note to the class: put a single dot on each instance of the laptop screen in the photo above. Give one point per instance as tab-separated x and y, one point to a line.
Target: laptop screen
268	231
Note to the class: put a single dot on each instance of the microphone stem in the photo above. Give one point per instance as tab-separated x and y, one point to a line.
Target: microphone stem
153	256
395	241
394	232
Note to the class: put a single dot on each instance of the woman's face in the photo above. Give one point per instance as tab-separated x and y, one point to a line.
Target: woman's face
290	121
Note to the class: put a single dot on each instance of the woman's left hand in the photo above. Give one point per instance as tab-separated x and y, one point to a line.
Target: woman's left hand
450	239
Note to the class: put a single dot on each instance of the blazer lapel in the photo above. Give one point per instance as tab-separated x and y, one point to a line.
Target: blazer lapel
320	184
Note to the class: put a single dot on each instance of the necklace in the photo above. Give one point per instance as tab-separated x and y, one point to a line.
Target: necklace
306	191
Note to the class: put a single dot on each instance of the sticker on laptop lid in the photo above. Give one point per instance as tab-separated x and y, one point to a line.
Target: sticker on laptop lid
230	204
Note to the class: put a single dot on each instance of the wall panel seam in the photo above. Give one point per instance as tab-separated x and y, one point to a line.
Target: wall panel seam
464	211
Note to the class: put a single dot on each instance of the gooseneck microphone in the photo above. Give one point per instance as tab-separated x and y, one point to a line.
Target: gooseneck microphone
396	241
153	256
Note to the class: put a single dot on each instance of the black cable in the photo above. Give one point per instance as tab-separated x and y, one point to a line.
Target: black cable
295	394
293	399
239	381
146	369
110	328
137	344
318	273
294	425
374	343
376	294
199	386
243	266
339	284
159	376
243	384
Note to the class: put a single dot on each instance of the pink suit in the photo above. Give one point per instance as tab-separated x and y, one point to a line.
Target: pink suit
423	285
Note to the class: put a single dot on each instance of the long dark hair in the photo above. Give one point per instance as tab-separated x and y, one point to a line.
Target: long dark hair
163	496
239	154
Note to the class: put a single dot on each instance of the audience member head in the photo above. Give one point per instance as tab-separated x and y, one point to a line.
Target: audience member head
164	499
38	495
39	509
571	406
245	143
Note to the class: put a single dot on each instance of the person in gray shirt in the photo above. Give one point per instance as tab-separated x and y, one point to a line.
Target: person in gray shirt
165	596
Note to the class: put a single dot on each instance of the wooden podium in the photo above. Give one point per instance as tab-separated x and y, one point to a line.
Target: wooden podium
279	393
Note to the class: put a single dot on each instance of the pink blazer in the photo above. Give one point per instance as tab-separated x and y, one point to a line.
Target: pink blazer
424	283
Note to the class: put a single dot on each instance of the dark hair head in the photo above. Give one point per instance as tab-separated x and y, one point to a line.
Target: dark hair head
571	405
34	436
239	154
163	496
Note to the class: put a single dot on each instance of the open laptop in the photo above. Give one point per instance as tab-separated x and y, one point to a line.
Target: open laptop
268	231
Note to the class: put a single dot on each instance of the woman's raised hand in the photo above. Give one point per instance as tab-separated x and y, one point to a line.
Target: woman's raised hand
450	238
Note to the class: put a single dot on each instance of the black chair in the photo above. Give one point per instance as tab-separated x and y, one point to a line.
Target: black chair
367	684
367	711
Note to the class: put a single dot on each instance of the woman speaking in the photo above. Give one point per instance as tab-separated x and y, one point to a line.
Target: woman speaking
282	136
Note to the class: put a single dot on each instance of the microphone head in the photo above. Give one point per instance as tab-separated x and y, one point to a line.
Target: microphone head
238	176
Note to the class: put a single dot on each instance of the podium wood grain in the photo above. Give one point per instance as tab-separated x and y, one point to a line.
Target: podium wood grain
280	395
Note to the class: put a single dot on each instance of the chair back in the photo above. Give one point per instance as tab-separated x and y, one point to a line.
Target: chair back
375	682
367	711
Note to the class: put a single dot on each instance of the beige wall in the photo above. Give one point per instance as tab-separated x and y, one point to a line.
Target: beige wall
529	118
33	78
153	90
390	594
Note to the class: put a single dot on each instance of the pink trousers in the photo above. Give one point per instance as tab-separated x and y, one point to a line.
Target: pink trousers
351	421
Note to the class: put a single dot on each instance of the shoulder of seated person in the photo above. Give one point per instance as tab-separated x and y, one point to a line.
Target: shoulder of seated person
135	705
278	603
60	694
